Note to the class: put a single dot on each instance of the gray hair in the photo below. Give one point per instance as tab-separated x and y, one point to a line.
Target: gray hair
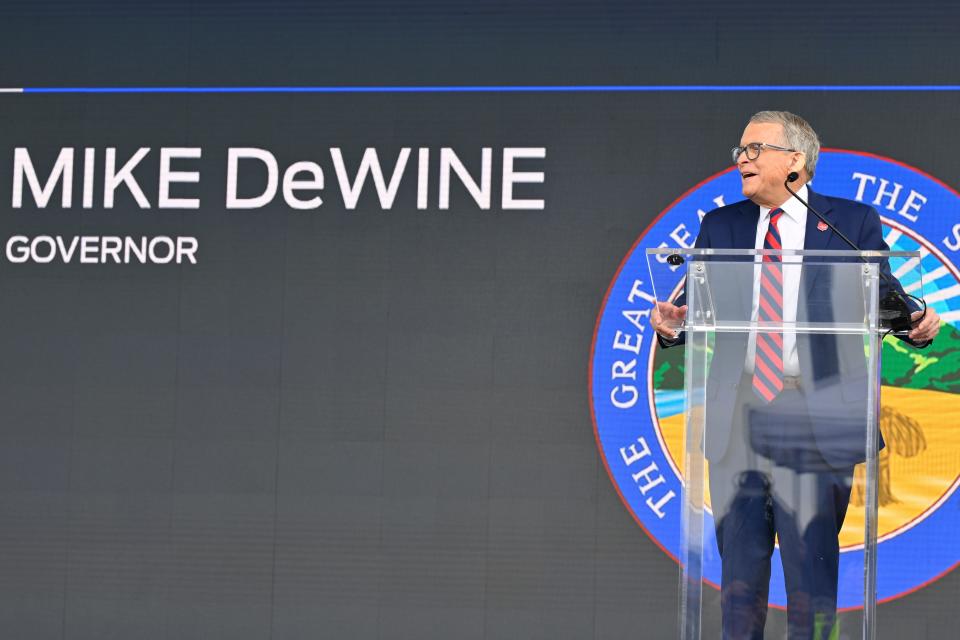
798	133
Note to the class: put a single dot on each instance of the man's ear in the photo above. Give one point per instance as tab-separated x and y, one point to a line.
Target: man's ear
799	162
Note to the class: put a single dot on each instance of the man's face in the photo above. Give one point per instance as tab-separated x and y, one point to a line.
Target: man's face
762	179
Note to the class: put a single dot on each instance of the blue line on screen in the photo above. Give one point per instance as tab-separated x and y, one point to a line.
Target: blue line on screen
498	89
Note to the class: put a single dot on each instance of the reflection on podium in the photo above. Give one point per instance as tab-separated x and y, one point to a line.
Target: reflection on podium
780	453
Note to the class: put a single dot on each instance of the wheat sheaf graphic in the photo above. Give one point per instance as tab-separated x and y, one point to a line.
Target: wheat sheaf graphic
904	437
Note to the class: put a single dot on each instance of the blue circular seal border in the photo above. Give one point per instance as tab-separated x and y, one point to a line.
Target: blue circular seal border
625	420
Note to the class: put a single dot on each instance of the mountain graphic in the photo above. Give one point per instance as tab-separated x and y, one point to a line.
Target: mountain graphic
937	367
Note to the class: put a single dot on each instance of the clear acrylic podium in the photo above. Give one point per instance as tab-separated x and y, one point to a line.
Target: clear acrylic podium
753	464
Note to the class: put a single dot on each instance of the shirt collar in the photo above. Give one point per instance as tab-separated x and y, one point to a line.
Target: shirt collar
792	207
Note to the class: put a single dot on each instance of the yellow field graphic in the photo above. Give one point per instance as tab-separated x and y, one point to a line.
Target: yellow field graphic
920	464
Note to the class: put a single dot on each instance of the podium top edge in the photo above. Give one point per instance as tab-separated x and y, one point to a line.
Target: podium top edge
827	253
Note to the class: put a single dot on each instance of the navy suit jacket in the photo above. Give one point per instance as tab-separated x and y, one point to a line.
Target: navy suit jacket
832	367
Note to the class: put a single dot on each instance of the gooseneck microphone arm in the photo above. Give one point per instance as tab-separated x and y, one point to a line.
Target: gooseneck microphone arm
792	177
894	310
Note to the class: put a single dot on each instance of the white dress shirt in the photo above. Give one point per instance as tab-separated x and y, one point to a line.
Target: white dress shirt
792	227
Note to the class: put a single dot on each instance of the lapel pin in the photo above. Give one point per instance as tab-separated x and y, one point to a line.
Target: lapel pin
821	226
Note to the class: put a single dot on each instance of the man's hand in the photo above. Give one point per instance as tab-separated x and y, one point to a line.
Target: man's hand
667	319
926	329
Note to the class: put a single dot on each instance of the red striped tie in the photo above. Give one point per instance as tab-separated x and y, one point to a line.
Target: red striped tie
768	361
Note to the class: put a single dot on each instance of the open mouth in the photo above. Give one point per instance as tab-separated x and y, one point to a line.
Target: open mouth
747	174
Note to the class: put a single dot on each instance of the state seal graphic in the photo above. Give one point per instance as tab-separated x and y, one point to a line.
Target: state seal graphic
636	389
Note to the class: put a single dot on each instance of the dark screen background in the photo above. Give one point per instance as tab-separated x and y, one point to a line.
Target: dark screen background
375	424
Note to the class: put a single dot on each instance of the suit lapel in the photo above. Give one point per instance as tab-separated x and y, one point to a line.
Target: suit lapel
745	235
813	237
816	237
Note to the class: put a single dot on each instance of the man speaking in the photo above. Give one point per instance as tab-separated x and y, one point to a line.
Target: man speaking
786	424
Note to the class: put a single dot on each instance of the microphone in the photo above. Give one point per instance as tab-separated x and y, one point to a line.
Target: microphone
894	310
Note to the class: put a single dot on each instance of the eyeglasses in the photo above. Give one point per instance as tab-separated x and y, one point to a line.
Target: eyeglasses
753	150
